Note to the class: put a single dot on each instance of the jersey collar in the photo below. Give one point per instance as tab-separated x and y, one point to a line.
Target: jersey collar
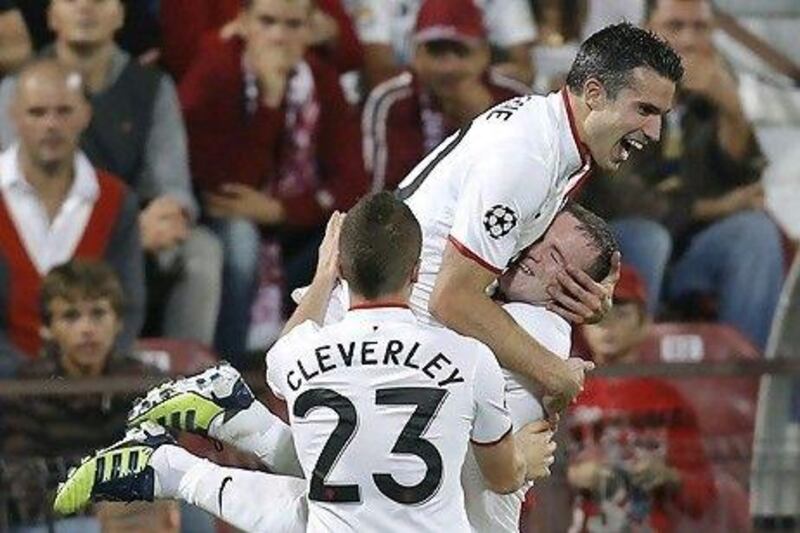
577	163
381	311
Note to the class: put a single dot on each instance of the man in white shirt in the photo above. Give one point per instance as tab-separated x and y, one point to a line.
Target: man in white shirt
576	237
382	409
492	189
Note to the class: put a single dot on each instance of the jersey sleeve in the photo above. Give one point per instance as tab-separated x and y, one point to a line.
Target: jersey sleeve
510	22
282	351
503	190
492	420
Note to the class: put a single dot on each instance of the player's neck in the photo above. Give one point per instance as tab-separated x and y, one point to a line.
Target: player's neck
580	112
398	299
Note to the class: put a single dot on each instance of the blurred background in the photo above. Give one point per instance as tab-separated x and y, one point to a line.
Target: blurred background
212	140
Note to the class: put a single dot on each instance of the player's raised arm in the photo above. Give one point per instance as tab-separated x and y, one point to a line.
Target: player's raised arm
315	301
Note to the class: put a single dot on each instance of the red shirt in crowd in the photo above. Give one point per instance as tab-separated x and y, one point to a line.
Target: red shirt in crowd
402	123
184	23
619	421
228	143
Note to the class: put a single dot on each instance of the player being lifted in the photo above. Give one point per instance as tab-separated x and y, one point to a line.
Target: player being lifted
223	408
382	408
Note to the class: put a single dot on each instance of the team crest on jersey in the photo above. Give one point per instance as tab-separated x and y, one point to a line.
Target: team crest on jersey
499	220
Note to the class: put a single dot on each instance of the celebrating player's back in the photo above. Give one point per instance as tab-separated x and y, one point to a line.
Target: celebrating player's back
382	407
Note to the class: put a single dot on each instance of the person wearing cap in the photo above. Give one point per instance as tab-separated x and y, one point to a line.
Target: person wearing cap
386	29
636	443
448	83
274	149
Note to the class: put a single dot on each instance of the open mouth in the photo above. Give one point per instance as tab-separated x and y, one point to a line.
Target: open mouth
628	145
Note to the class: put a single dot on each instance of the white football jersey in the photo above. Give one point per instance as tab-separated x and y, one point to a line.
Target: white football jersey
493	188
392	22
382	410
489	512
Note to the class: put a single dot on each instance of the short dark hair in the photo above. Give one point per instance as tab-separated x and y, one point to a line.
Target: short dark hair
379	246
611	54
81	279
599	232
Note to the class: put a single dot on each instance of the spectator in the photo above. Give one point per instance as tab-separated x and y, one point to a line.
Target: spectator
15	42
637	448
161	516
449	84
274	146
185	22
138	35
81	305
386	28
55	206
698	190
138	134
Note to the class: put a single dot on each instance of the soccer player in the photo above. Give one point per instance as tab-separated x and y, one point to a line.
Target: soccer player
491	189
576	237
214	396
382	409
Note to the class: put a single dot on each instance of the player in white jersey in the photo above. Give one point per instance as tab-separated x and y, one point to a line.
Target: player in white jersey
578	237
493	188
382	408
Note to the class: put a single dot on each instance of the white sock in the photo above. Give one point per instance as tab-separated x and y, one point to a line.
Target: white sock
256	430
248	500
171	463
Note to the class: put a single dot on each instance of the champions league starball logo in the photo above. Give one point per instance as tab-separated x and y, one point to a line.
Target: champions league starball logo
499	220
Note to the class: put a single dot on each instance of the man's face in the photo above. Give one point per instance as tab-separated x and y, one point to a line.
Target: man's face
615	127
279	24
50	114
83	330
564	243
86	22
443	64
620	331
686	25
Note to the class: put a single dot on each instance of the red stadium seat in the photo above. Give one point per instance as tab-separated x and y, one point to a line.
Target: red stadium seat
175	356
725	407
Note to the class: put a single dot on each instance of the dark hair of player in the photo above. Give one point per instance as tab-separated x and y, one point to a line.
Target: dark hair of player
611	54
599	232
81	280
379	246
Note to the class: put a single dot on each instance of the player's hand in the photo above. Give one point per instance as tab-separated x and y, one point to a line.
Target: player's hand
328	261
558	401
536	442
581	300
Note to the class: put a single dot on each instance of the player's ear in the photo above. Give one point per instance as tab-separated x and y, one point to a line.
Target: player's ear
594	94
415	272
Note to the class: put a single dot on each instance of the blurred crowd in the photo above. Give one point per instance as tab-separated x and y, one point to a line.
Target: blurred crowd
168	167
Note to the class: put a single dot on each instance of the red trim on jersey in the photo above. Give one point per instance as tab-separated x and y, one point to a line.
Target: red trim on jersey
377	305
492	443
583	150
469	254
